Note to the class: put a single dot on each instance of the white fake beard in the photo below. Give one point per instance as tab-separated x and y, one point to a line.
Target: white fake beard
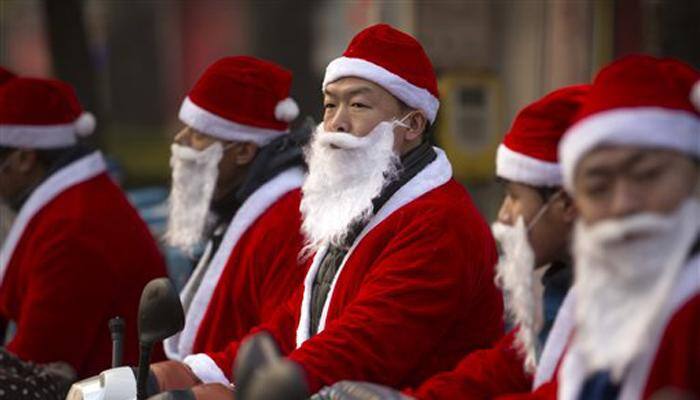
516	275
625	271
193	181
343	180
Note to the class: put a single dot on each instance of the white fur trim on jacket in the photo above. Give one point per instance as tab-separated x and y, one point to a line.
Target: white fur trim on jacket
518	167
572	373
38	136
206	369
222	128
556	341
73	174
180	345
640	127
435	174
414	96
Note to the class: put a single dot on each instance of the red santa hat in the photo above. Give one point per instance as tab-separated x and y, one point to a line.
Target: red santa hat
242	99
528	153
41	114
640	101
393	60
5	75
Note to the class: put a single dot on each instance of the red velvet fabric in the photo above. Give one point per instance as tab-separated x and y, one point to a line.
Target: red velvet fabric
82	259
483	374
537	128
244	90
415	296
262	272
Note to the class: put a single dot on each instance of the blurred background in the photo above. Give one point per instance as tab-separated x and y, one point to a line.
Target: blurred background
132	62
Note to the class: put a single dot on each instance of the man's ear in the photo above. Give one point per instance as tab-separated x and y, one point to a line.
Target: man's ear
417	123
26	161
568	207
244	152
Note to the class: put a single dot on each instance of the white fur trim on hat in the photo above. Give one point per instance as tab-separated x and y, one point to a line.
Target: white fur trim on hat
640	127
518	167
695	95
38	136
85	124
286	110
414	96
222	128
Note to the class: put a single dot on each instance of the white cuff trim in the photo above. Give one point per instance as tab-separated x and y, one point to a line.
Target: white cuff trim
520	168
413	96
206	369
222	128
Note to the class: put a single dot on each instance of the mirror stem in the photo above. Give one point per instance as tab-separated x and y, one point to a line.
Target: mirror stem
144	364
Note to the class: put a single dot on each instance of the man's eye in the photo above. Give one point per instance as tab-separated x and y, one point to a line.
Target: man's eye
596	190
358	105
647	174
328	105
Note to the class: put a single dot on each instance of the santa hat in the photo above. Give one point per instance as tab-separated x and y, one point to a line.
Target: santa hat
639	101
41	114
393	60
528	153
5	75
242	99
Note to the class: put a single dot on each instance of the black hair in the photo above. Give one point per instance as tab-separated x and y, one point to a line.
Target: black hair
46	157
545	192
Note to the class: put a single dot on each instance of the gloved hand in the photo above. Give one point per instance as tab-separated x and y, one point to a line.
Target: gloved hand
353	390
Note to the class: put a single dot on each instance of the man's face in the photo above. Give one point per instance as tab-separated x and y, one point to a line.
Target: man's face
356	106
549	236
232	165
618	181
18	169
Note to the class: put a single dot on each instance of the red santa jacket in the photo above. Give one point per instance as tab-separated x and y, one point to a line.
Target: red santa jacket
483	374
414	294
77	255
487	374
672	359
255	270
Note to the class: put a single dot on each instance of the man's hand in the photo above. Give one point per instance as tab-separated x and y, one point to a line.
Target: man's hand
174	375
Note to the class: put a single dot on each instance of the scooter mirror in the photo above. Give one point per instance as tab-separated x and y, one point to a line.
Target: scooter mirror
160	316
160	312
255	353
282	380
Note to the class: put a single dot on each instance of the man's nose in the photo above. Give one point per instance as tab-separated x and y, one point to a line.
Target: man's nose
625	201
184	137
505	213
339	121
